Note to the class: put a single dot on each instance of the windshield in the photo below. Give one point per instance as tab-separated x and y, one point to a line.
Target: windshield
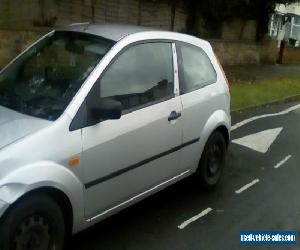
45	78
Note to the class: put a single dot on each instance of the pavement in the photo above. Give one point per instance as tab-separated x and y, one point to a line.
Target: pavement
271	201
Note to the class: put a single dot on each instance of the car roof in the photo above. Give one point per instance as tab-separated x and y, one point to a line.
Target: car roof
113	32
117	32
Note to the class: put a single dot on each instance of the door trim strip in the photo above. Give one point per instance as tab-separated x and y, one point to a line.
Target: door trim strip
139	164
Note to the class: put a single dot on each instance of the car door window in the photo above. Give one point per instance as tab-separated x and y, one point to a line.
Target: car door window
142	75
196	70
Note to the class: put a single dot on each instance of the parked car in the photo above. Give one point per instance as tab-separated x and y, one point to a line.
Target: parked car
94	118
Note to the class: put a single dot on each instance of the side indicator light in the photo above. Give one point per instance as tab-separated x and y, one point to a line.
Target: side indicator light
73	162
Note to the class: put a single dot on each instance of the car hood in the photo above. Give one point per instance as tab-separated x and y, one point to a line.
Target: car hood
14	126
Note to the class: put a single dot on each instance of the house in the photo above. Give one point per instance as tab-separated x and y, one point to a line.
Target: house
285	23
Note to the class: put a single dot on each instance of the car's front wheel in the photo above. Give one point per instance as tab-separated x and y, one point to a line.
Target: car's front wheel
212	161
33	223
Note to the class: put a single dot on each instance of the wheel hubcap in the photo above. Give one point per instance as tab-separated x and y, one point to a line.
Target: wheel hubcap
215	158
33	234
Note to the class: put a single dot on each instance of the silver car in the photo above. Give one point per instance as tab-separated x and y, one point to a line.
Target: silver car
94	118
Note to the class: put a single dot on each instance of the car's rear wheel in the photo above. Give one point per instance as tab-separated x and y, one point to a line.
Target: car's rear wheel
33	223
212	161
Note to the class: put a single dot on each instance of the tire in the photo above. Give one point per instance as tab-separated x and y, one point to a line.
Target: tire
212	161
35	222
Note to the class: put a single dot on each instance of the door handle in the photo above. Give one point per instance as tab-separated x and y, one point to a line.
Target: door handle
174	116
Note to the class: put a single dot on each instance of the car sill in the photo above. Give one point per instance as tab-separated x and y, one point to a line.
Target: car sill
139	195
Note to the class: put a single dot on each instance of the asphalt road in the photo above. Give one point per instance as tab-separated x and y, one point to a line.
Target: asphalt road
273	203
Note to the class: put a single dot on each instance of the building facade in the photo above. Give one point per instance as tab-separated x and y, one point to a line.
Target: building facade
285	23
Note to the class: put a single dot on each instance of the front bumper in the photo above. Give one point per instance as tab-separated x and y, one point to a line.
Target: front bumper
3	207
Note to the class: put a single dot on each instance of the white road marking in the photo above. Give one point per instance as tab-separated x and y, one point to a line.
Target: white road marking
286	111
279	164
242	189
194	218
260	141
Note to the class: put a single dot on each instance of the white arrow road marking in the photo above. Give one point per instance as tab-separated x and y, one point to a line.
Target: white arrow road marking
279	164
260	141
194	218
242	189
242	123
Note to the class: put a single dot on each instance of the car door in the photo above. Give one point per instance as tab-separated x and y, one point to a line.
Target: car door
125	158
199	95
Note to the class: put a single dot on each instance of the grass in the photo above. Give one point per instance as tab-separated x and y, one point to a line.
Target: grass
253	89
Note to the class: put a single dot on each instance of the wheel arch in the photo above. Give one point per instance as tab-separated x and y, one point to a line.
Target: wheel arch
56	181
58	196
224	131
218	121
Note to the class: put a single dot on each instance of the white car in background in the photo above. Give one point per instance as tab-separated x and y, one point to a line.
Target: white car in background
94	118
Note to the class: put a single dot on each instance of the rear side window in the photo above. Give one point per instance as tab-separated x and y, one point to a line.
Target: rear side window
142	75
195	68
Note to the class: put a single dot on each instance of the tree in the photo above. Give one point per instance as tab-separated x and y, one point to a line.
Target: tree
217	11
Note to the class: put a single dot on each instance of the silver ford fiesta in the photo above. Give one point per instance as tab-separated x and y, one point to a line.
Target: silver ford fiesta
94	118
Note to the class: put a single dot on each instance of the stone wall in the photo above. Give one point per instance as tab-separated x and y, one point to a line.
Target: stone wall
235	52
12	42
265	52
21	22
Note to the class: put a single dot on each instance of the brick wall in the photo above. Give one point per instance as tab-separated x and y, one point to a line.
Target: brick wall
291	55
269	51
